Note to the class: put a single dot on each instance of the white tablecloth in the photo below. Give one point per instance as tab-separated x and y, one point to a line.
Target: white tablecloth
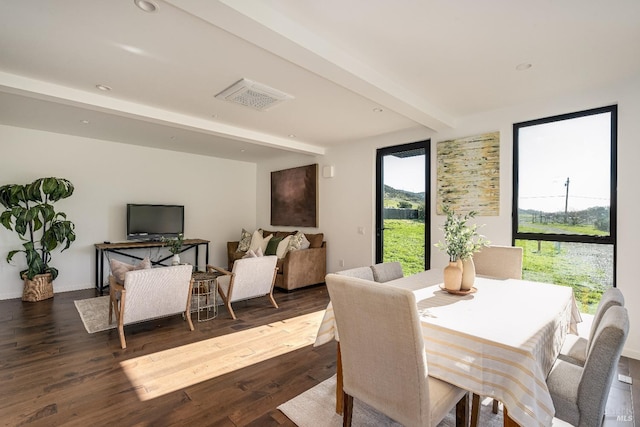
500	341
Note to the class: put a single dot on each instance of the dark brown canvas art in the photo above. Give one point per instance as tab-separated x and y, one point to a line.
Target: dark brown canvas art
294	199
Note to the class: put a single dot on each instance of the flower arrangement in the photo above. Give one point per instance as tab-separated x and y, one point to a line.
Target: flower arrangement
460	240
174	245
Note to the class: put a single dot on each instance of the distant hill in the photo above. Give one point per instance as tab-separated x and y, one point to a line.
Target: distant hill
392	193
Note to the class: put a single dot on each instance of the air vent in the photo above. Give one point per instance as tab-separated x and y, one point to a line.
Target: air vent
254	95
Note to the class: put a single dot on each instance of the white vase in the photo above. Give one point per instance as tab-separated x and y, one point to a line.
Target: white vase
175	260
468	274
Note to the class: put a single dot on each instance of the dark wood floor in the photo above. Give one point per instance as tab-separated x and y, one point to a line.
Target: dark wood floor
54	373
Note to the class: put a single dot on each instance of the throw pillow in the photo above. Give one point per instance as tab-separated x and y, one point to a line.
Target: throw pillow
259	252
257	241
305	244
296	241
249	254
282	247
119	268
315	239
272	246
245	241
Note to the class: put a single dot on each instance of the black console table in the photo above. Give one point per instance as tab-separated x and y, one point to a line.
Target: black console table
120	247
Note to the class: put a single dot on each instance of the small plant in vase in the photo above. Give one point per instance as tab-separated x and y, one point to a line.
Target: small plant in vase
461	241
175	246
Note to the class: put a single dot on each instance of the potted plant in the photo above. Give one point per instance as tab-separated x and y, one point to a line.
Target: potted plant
175	247
30	213
461	241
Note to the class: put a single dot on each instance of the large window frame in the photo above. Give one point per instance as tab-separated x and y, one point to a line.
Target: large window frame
610	239
396	149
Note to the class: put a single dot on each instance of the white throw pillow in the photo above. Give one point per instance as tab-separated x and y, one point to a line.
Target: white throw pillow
257	241
249	254
281	251
259	251
296	241
305	243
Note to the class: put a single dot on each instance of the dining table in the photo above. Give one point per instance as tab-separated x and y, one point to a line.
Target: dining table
499	340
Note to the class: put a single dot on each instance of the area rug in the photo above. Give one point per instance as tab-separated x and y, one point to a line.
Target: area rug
316	408
94	313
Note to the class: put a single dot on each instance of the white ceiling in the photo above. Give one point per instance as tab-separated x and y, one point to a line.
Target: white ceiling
424	63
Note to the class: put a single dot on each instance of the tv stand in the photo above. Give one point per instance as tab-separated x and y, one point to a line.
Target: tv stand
119	247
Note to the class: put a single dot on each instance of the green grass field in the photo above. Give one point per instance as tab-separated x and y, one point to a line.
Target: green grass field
585	268
404	242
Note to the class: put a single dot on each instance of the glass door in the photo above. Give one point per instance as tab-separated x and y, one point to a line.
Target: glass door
402	206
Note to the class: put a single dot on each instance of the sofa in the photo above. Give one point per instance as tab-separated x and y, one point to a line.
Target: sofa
296	268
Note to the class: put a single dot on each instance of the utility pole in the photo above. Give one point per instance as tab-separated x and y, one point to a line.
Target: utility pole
566	202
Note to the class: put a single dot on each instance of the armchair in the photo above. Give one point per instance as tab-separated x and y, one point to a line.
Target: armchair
249	278
149	294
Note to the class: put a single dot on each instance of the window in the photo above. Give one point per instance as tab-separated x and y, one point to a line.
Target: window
564	201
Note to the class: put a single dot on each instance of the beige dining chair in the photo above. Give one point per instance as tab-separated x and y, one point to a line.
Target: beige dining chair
575	347
383	357
360	272
386	271
579	393
501	262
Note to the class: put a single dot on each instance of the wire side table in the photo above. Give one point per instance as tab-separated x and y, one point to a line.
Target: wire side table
204	299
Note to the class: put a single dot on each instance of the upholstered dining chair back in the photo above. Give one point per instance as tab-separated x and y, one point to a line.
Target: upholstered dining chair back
365	273
250	278
383	357
387	271
580	393
501	262
575	347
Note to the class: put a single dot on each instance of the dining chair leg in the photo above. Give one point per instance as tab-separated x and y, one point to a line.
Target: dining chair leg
475	410
339	392
462	411
348	410
495	408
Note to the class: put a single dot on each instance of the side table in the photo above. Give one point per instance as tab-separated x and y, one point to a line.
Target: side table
204	295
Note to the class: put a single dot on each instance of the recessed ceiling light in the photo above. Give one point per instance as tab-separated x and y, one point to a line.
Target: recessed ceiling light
84	122
523	66
103	88
146	5
378	110
291	135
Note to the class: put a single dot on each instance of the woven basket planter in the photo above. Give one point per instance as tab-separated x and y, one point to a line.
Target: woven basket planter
38	289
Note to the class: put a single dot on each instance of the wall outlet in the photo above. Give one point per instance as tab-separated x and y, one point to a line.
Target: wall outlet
341	263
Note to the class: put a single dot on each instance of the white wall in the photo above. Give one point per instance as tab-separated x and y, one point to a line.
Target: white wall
219	196
347	200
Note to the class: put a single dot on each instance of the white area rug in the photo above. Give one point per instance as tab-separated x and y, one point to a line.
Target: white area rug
316	408
94	313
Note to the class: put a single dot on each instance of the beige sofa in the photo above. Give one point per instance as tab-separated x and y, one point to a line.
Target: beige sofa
298	268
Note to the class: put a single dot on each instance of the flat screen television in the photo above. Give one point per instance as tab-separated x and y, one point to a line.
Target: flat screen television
152	222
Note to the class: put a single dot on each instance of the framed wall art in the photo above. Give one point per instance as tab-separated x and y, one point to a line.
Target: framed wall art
469	174
294	196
